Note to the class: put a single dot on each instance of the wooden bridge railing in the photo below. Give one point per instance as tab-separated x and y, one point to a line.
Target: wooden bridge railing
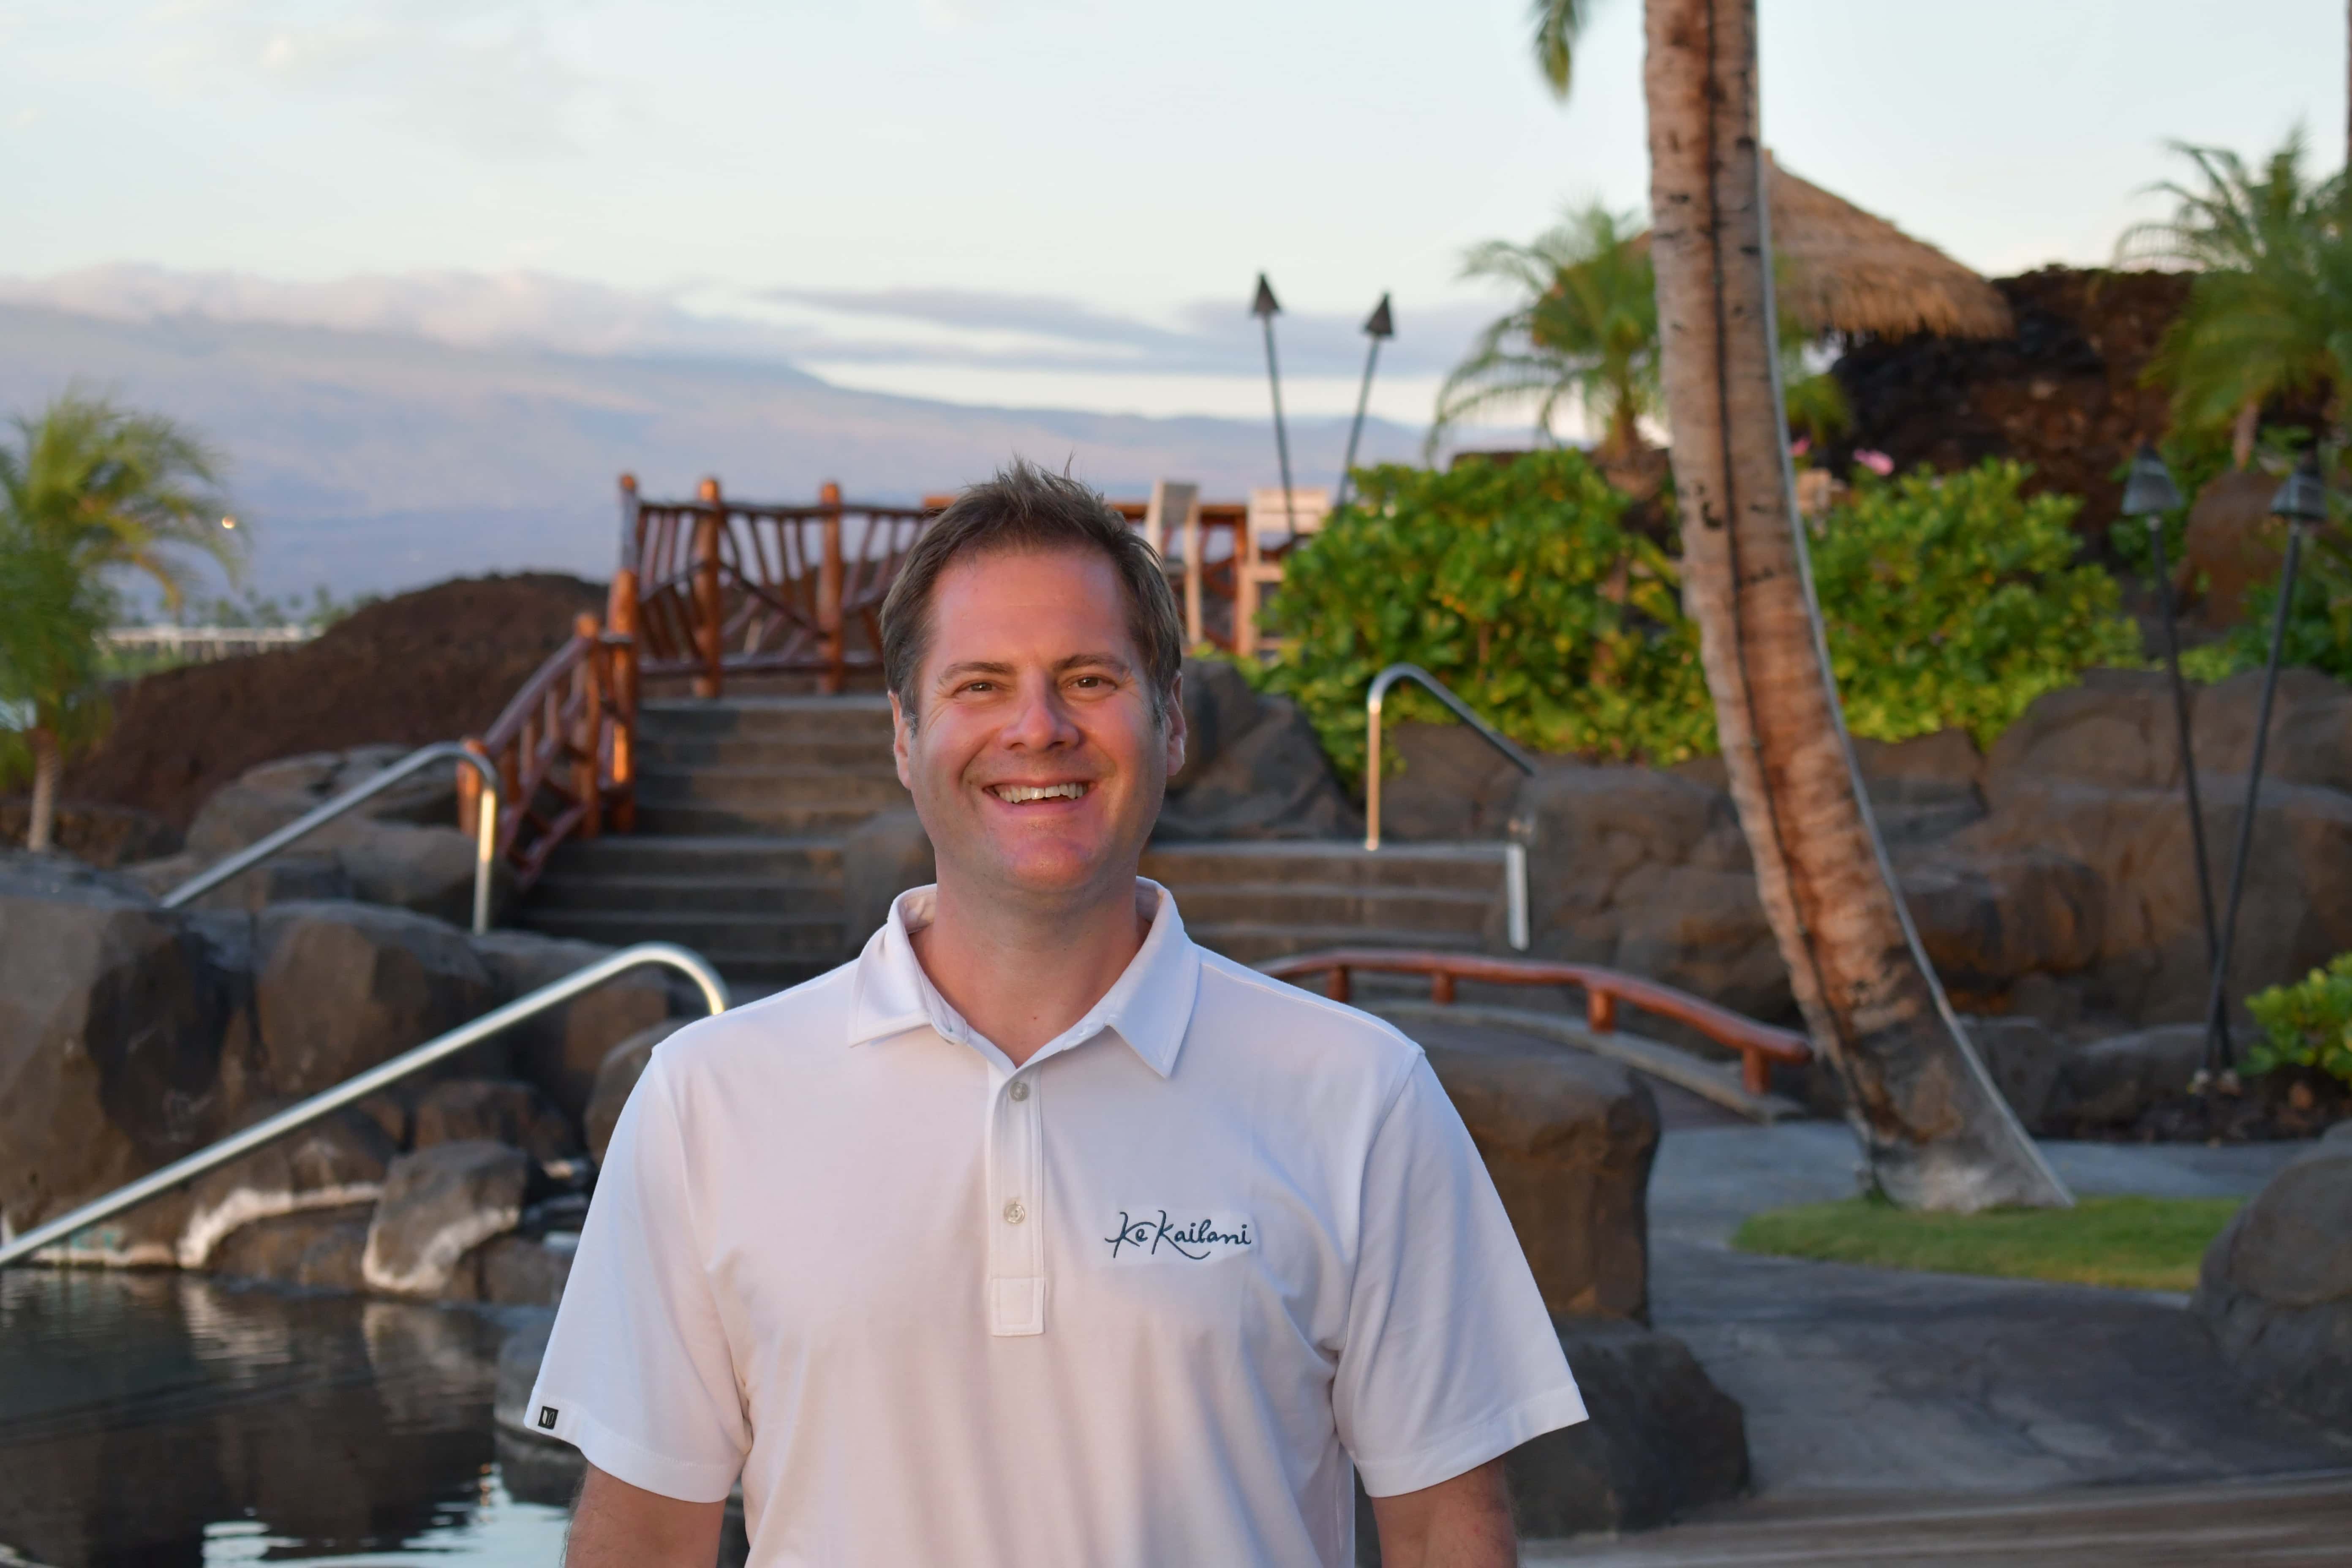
1758	1045
755	587
565	746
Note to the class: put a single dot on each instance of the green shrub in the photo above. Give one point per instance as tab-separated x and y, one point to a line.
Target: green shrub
1952	601
2318	626
1516	585
2309	1024
1948	600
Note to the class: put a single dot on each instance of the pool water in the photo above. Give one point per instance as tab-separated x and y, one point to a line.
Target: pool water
163	1420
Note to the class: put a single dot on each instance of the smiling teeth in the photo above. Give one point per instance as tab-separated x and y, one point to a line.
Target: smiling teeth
1018	794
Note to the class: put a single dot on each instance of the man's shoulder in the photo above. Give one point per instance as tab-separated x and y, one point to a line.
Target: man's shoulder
772	1031
1275	1017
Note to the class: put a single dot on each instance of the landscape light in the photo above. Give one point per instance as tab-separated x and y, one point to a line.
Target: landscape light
2149	493
2303	501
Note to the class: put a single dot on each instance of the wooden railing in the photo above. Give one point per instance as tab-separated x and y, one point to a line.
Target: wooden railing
565	747
1758	1045
755	587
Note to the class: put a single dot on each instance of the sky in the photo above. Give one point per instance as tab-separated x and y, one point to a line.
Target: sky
1029	203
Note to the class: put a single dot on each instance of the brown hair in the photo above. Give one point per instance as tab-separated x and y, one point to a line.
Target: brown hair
1025	507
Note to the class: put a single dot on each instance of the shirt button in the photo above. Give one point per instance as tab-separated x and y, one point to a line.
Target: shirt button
1020	1089
1013	1213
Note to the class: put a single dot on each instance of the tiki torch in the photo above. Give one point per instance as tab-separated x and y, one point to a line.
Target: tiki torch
1264	309
1380	328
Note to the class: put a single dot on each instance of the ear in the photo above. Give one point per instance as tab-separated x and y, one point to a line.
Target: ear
1174	724
901	736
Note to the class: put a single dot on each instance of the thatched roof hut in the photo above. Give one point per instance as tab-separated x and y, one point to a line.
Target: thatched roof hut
1843	271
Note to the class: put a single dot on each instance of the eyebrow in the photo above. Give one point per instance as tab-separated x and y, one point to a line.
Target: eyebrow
970	667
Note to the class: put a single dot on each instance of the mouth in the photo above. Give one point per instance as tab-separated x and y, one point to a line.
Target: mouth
1023	795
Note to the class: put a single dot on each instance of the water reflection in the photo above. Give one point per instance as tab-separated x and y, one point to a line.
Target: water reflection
161	1420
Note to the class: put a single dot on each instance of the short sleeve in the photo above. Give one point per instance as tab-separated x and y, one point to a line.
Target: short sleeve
1450	1357
637	1374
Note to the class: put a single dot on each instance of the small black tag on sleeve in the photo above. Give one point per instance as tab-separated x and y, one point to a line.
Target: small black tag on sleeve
547	1417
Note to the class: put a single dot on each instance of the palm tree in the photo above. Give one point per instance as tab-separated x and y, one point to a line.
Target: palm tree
91	491
48	662
1936	1131
2266	309
1586	330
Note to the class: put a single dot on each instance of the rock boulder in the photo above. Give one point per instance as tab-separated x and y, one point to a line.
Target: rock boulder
2108	1084
331	1165
502	1111
438	1204
1262	774
561	1049
1569	1140
2276	1286
113	1016
622	1066
318	1249
340	987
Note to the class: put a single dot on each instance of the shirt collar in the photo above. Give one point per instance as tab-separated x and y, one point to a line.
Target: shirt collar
1149	1006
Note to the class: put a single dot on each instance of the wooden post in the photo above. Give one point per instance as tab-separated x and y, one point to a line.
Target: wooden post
708	613
588	723
621	616
632	545
828	590
1335	984
469	794
1441	987
1599	1009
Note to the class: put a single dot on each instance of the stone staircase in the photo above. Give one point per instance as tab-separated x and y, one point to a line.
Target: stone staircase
744	806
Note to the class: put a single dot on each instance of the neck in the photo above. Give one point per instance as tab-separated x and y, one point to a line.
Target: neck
1021	976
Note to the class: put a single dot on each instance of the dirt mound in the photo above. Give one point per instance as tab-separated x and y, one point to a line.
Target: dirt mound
434	665
2064	395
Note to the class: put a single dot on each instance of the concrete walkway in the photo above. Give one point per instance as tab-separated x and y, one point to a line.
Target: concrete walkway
1908	1418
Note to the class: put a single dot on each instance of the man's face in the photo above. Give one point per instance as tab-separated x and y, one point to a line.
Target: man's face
1032	753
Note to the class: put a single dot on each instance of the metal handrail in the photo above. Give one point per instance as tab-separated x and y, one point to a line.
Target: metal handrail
1437	688
486	834
294	1118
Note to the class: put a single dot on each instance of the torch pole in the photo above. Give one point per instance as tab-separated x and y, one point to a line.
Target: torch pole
2214	1058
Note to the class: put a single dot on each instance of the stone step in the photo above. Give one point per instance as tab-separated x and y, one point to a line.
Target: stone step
763	937
768	718
713	894
757	790
1251	942
814	857
1427	911
697	820
860	754
1462	868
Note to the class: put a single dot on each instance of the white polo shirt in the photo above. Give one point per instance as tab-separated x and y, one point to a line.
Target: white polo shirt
1136	1304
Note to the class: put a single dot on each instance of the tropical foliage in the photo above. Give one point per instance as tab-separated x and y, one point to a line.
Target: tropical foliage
1947	601
90	490
1584	333
2270	310
2318	626
2307	1024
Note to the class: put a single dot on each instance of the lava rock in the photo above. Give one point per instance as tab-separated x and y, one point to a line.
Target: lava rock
1662	1440
2310	733
1568	1140
1990	919
336	1162
113	1018
318	1249
1272	781
2025	1058
622	1066
1220	707
502	1111
427	869
2115	730
2110	1083
2276	1286
1450	785
2232	543
268	797
519	1271
340	987
438	1204
93	832
561	1049
882	856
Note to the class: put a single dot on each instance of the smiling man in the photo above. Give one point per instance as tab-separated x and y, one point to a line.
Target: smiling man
1038	1236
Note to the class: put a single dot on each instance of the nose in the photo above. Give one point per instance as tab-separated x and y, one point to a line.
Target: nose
1042	721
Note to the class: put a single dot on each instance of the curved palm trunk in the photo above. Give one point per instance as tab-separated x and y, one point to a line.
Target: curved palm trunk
1936	1133
47	763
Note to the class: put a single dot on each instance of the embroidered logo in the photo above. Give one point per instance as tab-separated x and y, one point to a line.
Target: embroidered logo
547	1417
1193	1238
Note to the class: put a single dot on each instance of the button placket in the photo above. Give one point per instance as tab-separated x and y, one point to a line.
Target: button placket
1016	1245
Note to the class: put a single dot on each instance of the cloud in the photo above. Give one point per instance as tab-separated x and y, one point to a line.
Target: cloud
482	73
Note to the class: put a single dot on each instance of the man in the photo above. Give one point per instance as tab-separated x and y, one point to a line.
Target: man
1037	1236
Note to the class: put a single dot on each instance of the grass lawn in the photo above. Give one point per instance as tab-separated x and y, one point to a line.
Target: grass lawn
2144	1244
